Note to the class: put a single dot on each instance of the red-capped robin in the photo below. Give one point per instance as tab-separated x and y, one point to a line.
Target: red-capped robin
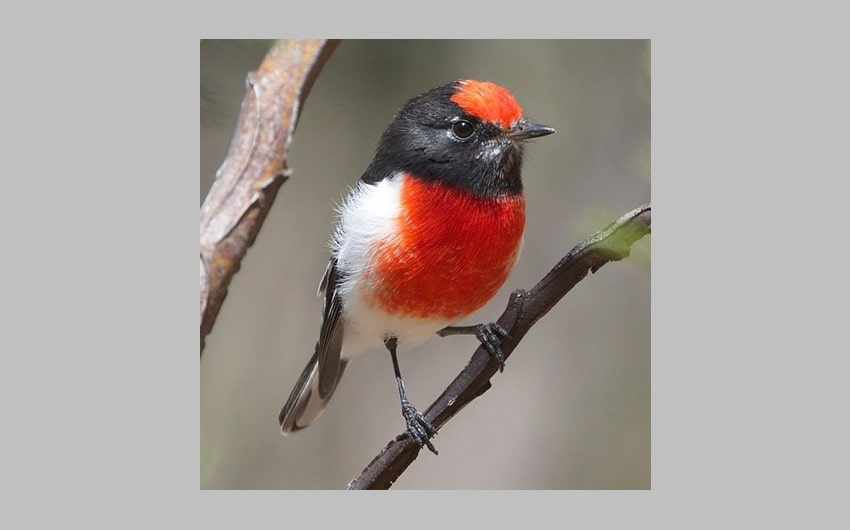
427	236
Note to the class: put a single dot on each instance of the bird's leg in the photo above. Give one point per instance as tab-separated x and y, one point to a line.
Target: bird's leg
418	427
490	335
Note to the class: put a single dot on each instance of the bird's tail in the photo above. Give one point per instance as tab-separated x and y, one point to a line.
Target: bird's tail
310	395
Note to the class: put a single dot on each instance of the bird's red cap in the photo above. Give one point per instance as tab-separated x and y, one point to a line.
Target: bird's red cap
489	102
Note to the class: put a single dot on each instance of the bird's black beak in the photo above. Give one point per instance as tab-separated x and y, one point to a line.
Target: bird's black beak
523	130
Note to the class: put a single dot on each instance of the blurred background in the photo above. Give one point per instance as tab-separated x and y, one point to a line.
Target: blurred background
571	410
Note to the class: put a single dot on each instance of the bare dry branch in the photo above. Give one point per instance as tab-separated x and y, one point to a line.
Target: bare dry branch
255	167
523	310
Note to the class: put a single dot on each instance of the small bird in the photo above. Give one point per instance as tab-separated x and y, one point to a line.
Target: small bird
425	238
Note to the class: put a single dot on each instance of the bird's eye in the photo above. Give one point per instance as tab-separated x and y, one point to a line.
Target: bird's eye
462	129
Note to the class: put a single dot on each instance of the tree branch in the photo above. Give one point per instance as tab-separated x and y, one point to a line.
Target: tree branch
523	310
255	167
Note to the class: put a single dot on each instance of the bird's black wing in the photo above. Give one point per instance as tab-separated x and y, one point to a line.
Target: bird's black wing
321	375
329	346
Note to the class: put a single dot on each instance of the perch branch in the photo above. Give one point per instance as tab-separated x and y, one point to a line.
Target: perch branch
255	165
523	310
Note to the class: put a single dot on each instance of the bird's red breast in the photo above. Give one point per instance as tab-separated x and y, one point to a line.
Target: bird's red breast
451	253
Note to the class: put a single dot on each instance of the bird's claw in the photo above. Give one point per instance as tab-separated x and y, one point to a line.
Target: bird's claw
418	427
491	336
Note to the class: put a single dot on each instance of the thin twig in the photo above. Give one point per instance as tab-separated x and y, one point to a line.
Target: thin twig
523	310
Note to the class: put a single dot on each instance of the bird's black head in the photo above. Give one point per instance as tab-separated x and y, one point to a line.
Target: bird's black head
466	134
